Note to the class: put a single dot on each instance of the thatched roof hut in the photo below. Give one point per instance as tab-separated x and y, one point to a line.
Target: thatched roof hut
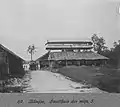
75	56
79	52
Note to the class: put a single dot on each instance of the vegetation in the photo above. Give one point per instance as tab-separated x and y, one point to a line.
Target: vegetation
112	53
31	50
99	43
106	78
103	78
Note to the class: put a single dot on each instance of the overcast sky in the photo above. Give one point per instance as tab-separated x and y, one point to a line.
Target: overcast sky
24	22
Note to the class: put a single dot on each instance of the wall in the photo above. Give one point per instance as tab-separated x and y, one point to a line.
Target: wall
15	65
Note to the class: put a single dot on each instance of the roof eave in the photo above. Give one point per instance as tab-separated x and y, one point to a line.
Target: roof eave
6	49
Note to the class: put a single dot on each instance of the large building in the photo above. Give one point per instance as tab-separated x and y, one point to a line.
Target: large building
10	63
64	53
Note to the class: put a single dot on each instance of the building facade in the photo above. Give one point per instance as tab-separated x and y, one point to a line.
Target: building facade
65	53
10	63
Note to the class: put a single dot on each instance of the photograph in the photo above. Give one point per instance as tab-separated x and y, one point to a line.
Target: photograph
60	46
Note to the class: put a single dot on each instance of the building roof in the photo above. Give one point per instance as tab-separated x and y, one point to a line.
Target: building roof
9	51
75	56
70	42
60	47
43	57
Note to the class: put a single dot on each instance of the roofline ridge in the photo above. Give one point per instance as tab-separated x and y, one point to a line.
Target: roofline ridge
5	48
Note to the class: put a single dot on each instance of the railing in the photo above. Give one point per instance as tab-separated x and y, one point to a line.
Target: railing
68	46
70	42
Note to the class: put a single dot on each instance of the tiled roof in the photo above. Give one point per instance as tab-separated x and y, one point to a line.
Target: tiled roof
74	56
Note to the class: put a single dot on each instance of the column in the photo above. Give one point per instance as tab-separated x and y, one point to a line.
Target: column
49	63
79	62
66	63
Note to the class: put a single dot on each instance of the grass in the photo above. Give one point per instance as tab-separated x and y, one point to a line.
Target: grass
104	78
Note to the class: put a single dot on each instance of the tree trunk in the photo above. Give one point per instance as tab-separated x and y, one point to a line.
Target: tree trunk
31	56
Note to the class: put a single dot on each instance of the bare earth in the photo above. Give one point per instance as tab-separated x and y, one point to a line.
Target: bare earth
48	82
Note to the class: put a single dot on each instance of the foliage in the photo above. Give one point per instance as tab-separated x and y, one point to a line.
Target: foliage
99	43
113	53
31	50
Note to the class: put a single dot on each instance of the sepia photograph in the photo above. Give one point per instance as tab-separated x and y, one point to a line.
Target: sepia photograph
60	46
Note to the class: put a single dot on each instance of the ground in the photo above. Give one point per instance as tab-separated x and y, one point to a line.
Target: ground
68	79
104	78
48	82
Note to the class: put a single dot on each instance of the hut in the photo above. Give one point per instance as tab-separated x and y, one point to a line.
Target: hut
64	53
10	63
43	61
76	58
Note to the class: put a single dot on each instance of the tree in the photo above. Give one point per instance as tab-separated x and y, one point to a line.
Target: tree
99	43
31	50
119	42
115	44
114	54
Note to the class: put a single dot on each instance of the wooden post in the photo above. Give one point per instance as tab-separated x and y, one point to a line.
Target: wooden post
7	61
49	62
50	65
79	62
105	62
39	65
66	63
7	66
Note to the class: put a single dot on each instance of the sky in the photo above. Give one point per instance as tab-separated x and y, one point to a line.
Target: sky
26	22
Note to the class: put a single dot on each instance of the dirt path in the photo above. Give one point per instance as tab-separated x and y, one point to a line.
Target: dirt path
48	82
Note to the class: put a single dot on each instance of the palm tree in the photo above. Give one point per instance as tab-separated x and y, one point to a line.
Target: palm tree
31	50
